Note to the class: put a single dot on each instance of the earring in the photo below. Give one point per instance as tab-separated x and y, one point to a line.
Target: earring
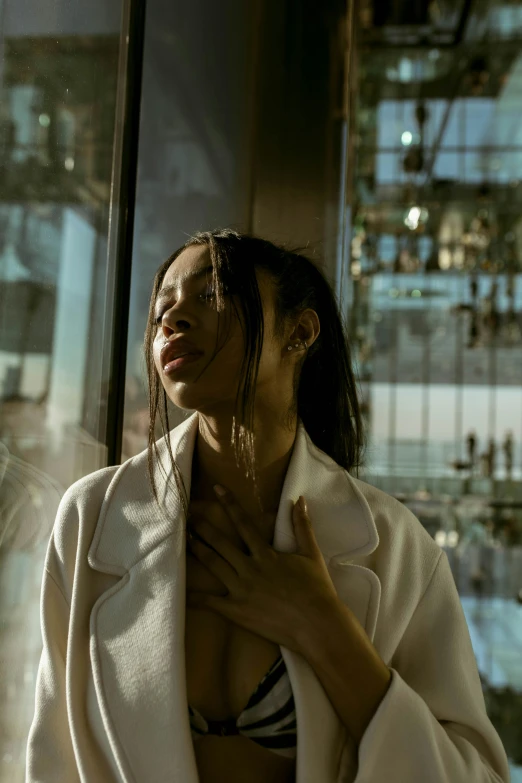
297	345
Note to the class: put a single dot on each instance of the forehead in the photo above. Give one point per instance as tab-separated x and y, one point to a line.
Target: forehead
193	259
191	265
194	264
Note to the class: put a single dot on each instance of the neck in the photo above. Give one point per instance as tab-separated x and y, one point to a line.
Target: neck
214	463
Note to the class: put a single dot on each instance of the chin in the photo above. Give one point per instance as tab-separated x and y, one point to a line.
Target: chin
183	398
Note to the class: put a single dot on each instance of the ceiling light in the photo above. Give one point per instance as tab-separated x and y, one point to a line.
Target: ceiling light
412	218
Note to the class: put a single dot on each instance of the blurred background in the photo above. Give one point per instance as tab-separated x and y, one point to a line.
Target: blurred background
386	138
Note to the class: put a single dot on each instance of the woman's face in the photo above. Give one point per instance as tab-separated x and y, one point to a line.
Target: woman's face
186	311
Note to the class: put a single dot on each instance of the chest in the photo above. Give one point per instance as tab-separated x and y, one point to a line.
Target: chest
224	663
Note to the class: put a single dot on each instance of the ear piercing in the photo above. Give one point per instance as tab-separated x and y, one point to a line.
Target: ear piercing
297	345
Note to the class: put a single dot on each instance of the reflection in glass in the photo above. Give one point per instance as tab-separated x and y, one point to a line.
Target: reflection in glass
437	132
194	156
58	82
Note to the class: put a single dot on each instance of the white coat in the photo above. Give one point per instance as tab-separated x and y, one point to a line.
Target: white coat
111	699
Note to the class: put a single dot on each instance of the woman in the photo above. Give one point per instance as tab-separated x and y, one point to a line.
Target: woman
272	644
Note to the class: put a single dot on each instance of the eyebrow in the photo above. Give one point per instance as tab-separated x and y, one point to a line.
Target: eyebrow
168	289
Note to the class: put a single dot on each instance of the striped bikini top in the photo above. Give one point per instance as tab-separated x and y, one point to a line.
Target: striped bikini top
268	719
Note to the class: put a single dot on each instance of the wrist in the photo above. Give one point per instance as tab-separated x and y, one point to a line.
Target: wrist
327	623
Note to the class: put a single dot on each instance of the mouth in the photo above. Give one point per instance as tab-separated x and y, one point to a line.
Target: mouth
179	362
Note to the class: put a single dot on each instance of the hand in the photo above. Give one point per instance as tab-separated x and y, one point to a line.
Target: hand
273	594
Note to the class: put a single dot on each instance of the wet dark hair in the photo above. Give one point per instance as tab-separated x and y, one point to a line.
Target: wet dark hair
325	394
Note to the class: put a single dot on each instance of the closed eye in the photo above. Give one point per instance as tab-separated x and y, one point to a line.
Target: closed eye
205	296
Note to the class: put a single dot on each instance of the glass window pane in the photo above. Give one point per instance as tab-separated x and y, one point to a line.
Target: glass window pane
408	425
447	165
387	168
58	84
441	428
377	457
475	404
194	155
478	116
390	125
475	167
436	112
458	340
507	408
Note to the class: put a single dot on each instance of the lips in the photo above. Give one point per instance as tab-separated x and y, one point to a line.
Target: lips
180	363
176	348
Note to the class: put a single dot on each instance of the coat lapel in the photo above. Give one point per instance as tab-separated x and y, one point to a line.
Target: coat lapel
138	624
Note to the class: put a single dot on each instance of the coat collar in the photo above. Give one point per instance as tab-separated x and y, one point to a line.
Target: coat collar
138	624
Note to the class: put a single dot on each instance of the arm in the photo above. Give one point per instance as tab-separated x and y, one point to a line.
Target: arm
355	683
427	720
50	755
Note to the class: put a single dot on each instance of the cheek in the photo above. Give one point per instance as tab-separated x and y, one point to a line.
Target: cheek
224	371
226	365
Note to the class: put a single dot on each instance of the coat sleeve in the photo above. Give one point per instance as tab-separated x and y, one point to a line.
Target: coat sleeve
50	756
432	724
